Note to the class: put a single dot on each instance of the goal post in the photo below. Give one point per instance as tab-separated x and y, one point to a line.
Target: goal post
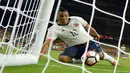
30	23
42	24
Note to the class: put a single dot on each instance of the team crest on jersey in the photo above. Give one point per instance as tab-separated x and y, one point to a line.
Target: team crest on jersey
76	25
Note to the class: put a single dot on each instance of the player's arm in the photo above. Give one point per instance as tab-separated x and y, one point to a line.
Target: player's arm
86	26
93	32
49	37
45	46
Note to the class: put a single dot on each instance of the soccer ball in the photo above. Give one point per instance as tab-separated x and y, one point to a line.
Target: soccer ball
92	58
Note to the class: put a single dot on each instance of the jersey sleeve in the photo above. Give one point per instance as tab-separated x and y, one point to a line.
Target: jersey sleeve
82	21
51	34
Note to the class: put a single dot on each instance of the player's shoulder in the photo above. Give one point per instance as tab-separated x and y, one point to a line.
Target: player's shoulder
75	17
53	27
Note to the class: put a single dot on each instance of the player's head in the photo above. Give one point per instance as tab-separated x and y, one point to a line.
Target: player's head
63	16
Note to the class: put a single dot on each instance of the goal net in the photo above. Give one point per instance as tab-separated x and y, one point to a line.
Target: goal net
23	26
114	26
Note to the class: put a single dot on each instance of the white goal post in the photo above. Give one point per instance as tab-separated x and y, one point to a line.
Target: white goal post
30	24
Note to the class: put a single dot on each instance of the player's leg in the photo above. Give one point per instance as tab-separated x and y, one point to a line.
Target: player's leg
102	54
109	58
65	59
67	55
72	54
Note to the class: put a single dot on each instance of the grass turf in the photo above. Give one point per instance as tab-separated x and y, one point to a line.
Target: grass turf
54	67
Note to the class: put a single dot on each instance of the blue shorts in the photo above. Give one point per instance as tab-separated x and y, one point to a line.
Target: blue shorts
77	50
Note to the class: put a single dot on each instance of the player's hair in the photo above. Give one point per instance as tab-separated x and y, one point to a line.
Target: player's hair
62	9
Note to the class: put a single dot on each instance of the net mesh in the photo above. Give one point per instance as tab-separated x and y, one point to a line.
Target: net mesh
17	35
17	23
18	18
95	8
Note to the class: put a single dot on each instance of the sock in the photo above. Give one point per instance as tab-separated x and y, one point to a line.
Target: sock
76	60
109	58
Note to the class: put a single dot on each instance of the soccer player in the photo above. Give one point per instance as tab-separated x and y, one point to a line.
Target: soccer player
72	30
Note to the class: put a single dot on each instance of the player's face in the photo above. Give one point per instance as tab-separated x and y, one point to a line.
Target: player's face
63	17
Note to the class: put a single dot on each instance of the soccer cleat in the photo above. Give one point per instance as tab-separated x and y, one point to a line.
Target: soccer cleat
115	62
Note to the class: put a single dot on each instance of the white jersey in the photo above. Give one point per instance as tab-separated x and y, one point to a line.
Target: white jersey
72	34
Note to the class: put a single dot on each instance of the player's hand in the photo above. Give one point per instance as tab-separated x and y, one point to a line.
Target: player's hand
97	38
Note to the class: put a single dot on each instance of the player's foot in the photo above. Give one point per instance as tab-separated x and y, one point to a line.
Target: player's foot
115	62
76	60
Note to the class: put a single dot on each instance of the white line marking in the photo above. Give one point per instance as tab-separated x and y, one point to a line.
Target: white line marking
119	71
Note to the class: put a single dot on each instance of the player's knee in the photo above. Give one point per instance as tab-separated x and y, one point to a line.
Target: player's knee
65	59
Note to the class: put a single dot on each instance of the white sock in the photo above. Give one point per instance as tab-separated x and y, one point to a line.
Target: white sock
76	60
0	45
108	57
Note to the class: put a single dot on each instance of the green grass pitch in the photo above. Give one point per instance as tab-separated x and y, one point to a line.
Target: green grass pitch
54	67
